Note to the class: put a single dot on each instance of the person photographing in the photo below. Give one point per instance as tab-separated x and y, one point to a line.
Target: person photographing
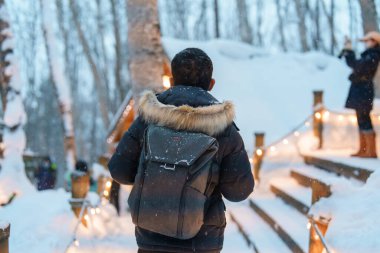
361	93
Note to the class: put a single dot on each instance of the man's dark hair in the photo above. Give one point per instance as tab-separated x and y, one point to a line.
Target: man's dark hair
192	67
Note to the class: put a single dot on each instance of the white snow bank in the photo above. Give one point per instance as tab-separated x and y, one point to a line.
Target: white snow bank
44	223
4	224
354	213
272	93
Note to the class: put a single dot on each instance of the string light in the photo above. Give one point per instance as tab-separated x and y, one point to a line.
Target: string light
259	152
273	148
353	119
108	184
76	243
251	160
97	210
285	141
86	217
93	212
340	117
106	193
318	115
316	237
307	123
326	114
308	225
296	133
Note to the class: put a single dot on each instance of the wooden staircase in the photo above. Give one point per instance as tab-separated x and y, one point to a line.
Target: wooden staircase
285	207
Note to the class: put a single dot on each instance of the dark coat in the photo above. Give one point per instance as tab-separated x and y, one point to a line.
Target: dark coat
190	104
361	94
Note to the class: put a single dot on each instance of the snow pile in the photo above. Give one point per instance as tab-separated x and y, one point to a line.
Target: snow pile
354	213
272	93
44	223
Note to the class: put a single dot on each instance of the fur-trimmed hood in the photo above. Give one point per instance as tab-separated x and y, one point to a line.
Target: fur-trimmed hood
211	119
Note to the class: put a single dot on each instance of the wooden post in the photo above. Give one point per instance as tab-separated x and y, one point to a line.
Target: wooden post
258	155
80	185
315	243
4	238
319	190
104	186
318	116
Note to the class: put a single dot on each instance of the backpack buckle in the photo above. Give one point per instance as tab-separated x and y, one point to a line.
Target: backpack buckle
166	167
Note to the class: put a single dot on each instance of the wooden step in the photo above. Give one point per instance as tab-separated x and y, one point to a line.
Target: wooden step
256	231
338	167
293	193
288	223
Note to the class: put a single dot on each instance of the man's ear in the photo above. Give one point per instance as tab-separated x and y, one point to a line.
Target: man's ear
171	82
212	83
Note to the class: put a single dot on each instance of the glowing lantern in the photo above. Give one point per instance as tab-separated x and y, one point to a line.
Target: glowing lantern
166	82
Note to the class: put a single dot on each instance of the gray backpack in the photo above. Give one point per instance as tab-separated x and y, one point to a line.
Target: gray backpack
175	177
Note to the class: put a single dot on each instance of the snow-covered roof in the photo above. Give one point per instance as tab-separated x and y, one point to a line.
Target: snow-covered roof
120	114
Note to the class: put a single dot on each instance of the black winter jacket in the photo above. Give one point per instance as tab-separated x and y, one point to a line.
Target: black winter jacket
189	108
361	92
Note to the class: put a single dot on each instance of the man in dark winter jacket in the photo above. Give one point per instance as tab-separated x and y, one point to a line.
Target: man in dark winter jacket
189	106
361	94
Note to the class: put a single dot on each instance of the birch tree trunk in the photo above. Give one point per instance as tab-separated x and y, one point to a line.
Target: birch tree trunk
60	82
12	175
146	54
98	81
245	28
369	15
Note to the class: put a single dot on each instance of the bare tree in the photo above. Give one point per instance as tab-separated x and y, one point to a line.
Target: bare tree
331	21
281	26
245	28
121	87
201	25
216	19
96	73
302	29
369	15
259	21
146	54
61	85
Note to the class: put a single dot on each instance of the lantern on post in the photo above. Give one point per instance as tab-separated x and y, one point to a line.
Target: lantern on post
258	154
318	228
5	231
80	185
318	109
104	186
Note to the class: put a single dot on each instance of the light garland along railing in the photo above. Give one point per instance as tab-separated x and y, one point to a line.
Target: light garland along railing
83	215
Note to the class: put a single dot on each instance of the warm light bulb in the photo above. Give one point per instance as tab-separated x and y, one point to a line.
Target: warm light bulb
106	193
353	119
296	133
76	243
307	123
326	114
166	81
97	210
318	115
273	148
259	152
285	141
340	118
86	217
108	184
308	225
93	212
